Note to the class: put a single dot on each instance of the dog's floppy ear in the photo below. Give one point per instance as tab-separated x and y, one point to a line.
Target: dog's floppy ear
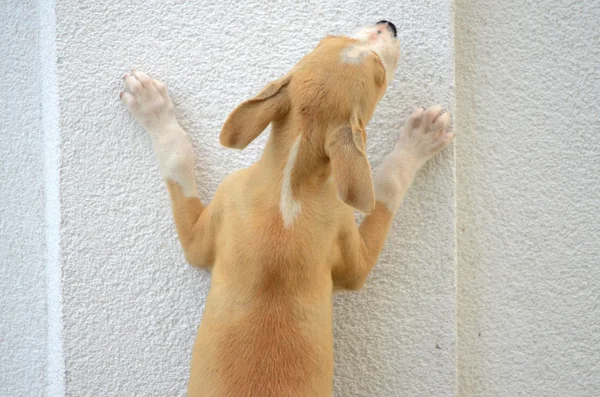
250	118
350	168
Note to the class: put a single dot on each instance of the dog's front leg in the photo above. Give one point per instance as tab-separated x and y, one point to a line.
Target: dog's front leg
149	102
423	136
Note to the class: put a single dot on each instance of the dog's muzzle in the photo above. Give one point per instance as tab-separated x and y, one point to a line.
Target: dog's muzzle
390	26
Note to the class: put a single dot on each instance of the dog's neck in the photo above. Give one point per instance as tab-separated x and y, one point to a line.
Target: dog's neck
289	150
295	166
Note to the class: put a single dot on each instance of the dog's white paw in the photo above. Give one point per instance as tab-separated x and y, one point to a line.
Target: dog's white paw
149	102
424	135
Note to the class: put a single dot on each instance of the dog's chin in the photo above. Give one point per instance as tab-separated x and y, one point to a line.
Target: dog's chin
365	34
389	55
382	43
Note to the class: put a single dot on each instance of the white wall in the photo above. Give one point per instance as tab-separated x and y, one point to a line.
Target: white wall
131	305
528	171
96	298
22	245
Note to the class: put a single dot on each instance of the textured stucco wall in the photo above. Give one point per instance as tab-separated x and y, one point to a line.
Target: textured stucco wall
131	305
528	172
528	177
22	247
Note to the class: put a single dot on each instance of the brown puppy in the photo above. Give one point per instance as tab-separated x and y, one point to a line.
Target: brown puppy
280	235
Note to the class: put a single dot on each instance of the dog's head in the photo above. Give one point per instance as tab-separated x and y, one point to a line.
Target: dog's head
328	98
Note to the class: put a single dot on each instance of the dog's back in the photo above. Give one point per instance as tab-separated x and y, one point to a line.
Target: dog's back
266	329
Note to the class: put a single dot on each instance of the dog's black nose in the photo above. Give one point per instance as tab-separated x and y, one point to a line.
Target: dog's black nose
390	26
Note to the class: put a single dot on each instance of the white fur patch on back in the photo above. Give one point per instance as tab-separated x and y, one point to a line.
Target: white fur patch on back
289	207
